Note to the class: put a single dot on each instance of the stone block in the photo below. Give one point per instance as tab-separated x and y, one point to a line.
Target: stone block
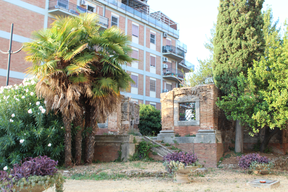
270	184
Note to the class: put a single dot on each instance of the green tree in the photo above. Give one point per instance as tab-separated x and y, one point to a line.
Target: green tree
238	40
150	120
260	99
80	75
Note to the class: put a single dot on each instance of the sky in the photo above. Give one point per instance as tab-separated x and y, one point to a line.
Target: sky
195	18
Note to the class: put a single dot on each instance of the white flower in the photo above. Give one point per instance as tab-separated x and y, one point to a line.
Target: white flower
13	115
43	110
23	97
27	90
49	145
40	107
11	120
61	127
17	99
24	133
5	168
33	82
37	103
22	140
30	111
31	93
45	102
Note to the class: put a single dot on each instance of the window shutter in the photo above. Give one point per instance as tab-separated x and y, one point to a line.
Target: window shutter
168	42
152	38
153	61
135	54
169	87
135	79
135	30
114	21
152	85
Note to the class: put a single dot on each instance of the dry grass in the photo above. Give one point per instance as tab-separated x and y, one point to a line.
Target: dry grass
215	180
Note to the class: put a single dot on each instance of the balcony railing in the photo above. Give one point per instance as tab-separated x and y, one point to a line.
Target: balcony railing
181	46
172	49
67	8
142	15
172	74
186	64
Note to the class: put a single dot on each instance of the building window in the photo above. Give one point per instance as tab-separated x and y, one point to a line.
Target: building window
168	87
135	54
152	61
152	85
114	21
153	38
153	104
135	79
91	8
135	30
187	111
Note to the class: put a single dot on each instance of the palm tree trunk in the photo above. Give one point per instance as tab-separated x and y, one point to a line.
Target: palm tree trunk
68	154
78	140
90	141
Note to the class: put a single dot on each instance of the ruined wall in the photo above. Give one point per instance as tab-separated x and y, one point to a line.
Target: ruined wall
124	117
208	111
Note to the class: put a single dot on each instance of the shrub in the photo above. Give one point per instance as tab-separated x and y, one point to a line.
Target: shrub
26	129
26	174
150	120
182	157
142	151
245	161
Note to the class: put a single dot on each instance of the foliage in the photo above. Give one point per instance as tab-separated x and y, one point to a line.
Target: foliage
31	172
173	166
183	157
189	135
238	41
245	161
80	72
26	129
134	132
256	166
142	151
150	120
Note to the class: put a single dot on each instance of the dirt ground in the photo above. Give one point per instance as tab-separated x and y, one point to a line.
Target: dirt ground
215	180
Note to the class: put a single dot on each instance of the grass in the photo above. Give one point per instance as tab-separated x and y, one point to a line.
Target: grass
98	177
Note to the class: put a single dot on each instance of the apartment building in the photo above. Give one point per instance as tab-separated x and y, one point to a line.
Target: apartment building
160	64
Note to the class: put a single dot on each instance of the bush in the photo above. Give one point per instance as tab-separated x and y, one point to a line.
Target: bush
26	174
26	129
150	120
245	161
182	157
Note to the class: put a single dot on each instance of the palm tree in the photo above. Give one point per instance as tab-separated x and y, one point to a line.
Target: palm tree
80	75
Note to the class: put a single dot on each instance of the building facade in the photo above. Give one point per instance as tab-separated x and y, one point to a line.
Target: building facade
160	64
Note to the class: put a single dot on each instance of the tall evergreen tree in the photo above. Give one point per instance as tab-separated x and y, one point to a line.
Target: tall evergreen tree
238	41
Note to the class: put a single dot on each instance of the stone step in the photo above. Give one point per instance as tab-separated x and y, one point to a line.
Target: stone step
160	150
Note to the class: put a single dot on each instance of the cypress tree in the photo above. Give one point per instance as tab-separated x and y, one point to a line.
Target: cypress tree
238	41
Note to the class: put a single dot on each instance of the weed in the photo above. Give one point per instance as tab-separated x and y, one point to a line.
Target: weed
188	135
227	156
175	142
162	141
177	135
97	177
167	144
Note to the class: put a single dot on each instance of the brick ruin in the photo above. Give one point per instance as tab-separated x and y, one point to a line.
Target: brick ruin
124	117
212	133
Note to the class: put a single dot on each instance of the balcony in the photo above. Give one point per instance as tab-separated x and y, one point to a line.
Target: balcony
172	75
173	52
141	11
186	66
63	8
181	46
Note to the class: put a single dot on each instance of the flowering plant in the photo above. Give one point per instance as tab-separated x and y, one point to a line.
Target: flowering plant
33	171
26	129
186	158
245	161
